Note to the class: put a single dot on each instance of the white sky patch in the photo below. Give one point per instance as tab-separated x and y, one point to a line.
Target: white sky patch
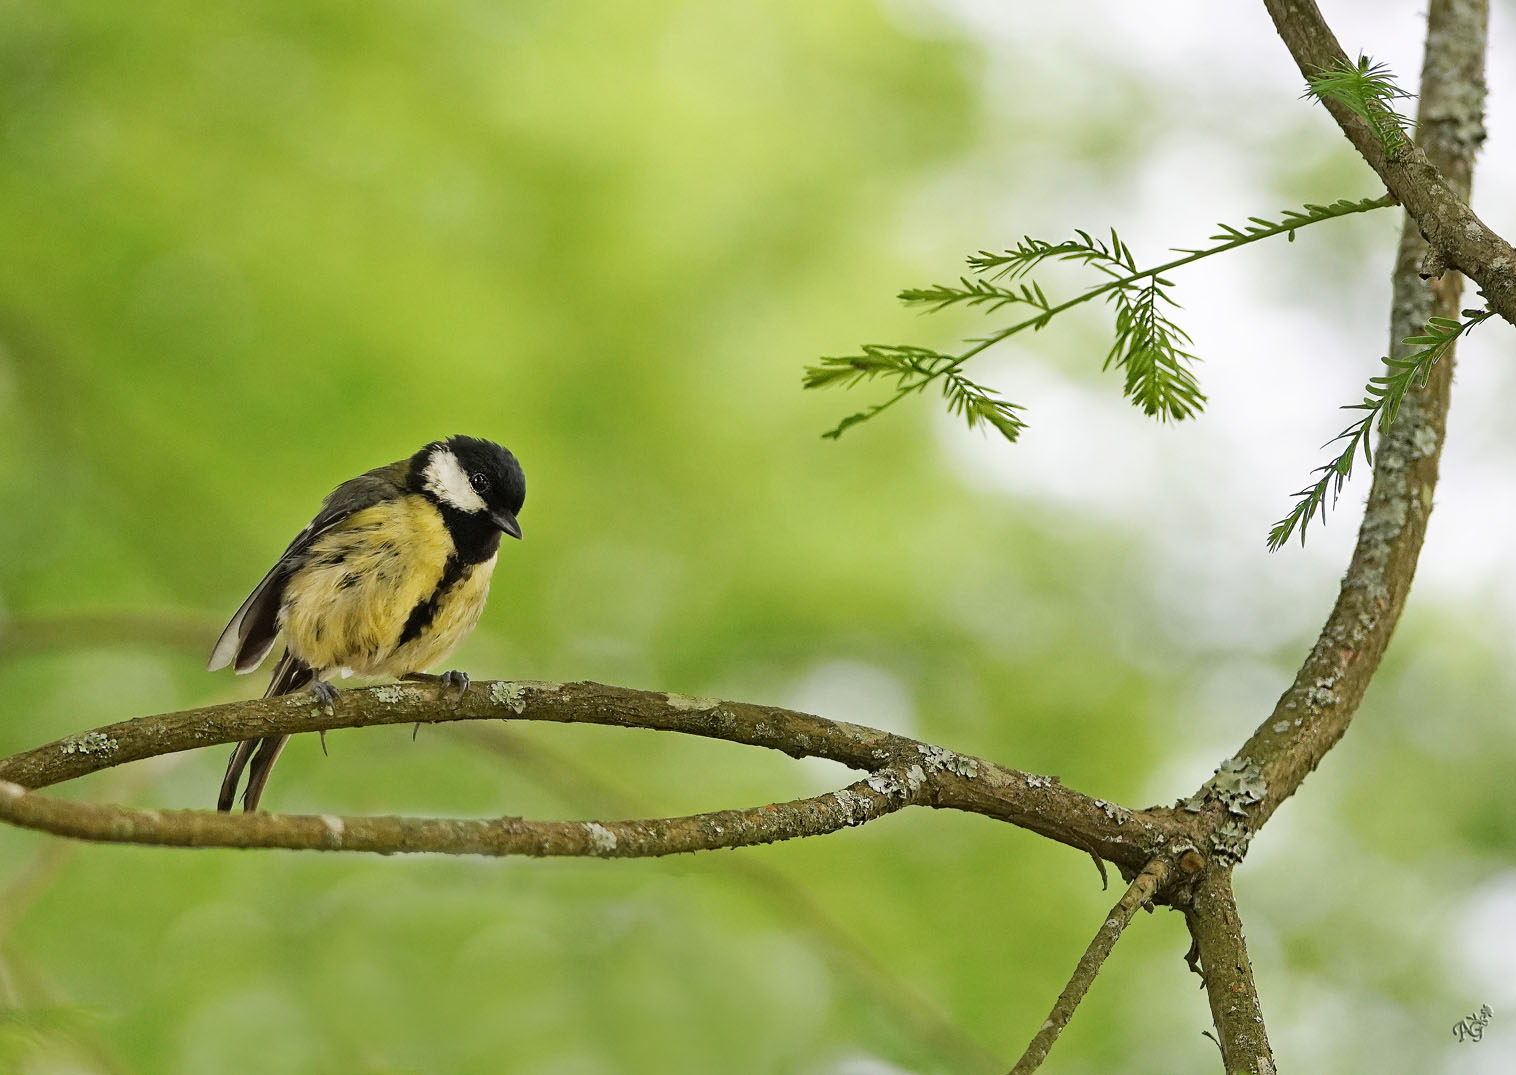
865	1065
1484	953
445	477
853	691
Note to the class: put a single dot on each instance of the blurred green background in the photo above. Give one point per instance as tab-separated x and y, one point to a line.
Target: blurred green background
247	251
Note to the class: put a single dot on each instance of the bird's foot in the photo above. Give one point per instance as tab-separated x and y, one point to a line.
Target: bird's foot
453	679
326	695
450	680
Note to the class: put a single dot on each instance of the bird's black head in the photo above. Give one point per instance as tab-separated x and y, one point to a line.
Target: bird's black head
479	487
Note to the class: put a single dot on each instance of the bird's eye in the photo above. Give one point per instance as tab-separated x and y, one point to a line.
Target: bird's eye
479	482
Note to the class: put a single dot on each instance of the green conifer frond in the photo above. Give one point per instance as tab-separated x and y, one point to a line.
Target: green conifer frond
913	369
974	293
1367	90
1149	348
1113	257
978	406
1382	399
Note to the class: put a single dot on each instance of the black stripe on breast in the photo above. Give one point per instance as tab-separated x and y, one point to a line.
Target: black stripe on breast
425	611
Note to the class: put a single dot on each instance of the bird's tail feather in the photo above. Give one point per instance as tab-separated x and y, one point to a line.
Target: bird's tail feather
290	675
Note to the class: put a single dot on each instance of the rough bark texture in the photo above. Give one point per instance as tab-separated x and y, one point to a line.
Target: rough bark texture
886	791
1228	976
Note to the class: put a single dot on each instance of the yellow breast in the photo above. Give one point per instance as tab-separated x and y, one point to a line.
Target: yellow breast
348	606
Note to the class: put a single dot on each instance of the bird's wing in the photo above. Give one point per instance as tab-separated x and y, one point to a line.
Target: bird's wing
250	634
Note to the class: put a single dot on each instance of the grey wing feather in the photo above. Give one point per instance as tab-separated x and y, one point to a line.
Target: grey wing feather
250	635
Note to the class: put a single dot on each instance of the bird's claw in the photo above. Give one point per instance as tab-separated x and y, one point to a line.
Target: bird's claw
452	679
326	695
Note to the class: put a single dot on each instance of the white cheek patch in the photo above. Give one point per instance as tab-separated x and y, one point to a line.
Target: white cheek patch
445	479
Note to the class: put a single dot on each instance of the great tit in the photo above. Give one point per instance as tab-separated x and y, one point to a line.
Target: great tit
385	581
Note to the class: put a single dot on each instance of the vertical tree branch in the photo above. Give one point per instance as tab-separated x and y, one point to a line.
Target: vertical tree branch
1228	976
1141	892
1315	711
1312	715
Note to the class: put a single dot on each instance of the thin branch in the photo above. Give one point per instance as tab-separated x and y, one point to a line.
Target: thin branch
564	776
1228	975
886	791
1139	894
947	779
1231	239
1433	193
1382	398
910	1006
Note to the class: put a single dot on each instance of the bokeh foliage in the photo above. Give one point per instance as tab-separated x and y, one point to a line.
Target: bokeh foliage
249	250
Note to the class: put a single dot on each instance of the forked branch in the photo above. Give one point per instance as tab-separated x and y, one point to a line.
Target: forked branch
903	772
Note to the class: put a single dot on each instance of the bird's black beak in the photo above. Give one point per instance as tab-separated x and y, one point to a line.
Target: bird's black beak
507	522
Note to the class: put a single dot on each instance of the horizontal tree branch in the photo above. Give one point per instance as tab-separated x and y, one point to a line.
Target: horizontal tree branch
564	776
886	791
947	779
